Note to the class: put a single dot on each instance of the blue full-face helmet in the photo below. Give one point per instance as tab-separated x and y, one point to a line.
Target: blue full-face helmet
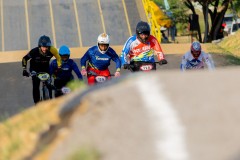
64	51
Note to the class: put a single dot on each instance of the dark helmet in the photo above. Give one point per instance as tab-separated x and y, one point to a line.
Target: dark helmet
44	41
143	28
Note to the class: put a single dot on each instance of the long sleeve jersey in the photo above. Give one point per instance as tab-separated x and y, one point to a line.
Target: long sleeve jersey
135	50
40	62
66	70
100	61
203	58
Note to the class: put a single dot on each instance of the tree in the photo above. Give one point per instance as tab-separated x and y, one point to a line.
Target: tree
179	12
215	9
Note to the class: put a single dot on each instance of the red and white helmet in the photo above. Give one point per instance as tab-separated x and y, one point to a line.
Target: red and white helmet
196	49
103	38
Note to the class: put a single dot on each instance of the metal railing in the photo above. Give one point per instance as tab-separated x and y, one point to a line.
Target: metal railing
156	18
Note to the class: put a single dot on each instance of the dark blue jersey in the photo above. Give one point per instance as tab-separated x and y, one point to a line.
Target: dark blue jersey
100	61
66	70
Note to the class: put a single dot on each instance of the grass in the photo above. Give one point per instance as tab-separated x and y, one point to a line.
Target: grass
19	134
85	154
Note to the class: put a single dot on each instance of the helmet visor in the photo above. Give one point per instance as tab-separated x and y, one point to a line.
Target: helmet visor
144	32
196	54
103	47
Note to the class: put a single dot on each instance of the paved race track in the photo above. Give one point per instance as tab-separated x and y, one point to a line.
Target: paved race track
76	23
16	90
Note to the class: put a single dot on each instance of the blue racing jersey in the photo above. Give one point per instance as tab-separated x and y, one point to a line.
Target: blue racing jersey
100	61
66	70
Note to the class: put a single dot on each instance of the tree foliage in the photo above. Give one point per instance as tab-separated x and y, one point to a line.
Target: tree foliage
215	9
179	11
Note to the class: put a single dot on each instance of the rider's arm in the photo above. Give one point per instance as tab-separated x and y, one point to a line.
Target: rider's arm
25	59
55	53
184	62
208	60
84	59
116	59
125	51
76	70
53	66
158	49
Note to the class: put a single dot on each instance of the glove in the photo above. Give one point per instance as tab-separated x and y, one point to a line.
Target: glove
125	66
163	61
117	74
25	73
84	72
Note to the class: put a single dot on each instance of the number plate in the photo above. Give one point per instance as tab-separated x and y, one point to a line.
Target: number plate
146	67
66	90
43	76
100	79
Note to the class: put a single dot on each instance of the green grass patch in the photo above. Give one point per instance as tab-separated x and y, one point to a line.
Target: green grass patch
85	154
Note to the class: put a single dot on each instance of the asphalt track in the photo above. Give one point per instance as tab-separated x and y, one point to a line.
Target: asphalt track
199	112
76	23
17	90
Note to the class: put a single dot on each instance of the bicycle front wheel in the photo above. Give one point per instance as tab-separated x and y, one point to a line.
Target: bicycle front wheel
45	92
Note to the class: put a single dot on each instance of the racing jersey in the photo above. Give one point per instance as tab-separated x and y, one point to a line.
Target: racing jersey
203	58
135	50
100	61
40	62
66	70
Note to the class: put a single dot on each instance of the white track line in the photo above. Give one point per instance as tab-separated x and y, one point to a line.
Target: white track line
27	24
101	15
126	15
78	24
2	26
168	131
52	22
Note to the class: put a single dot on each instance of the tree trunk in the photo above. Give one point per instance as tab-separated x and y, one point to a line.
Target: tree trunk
217	20
205	15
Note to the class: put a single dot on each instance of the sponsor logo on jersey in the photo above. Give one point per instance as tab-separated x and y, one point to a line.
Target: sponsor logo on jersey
101	59
141	50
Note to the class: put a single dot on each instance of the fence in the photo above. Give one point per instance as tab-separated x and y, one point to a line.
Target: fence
156	18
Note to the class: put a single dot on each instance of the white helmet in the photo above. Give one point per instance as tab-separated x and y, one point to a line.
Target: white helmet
103	38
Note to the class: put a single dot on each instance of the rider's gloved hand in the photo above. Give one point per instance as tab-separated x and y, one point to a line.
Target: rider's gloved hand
163	61
84	72
125	66
117	74
25	73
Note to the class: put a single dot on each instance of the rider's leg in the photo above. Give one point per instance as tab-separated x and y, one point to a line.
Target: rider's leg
58	85
36	91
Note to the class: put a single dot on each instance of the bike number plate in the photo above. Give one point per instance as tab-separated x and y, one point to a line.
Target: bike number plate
43	76
100	79
146	67
66	90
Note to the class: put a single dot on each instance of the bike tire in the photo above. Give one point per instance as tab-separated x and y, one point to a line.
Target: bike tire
45	92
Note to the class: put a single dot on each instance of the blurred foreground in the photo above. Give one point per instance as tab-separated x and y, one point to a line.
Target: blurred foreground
163	115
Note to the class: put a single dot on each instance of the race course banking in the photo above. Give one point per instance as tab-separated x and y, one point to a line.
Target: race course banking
166	114
76	23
